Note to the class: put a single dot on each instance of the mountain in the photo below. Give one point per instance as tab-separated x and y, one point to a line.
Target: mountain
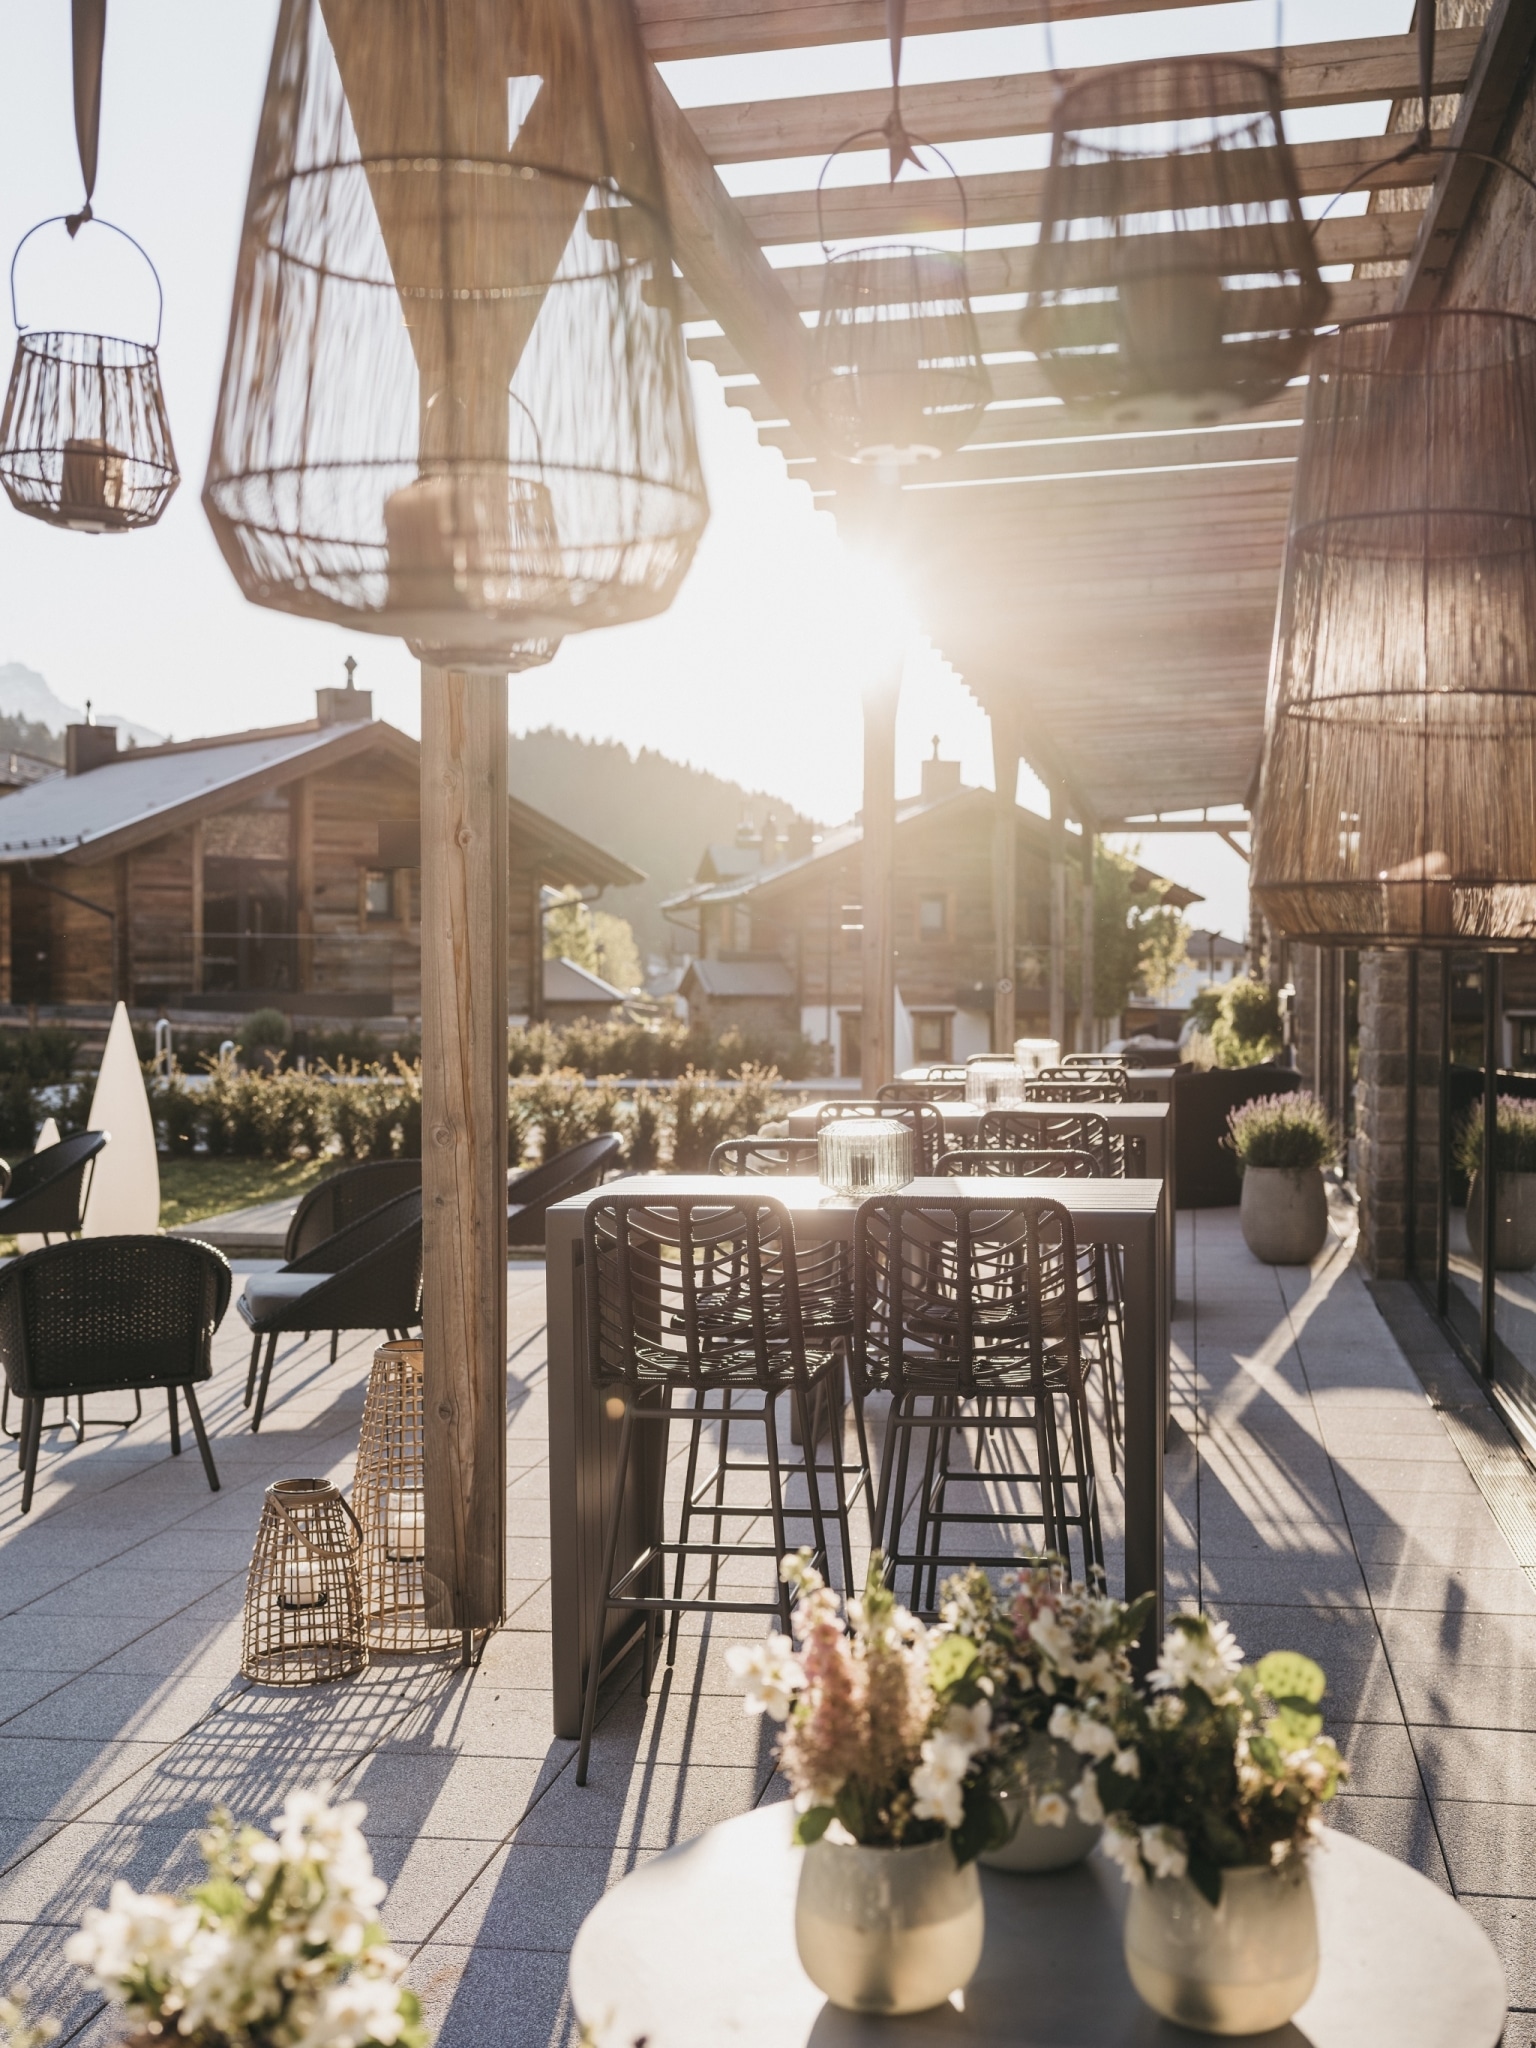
644	807
25	694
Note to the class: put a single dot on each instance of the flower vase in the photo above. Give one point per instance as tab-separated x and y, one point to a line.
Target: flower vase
1047	1766
1241	1967
887	1930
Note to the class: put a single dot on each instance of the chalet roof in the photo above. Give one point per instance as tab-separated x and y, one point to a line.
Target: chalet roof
760	977
149	791
728	861
844	839
566	982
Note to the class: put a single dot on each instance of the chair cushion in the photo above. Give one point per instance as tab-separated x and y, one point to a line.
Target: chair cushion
273	1298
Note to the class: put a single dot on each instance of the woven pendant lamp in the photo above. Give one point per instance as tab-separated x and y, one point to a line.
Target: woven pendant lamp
455	403
1398	796
85	441
896	374
1175	280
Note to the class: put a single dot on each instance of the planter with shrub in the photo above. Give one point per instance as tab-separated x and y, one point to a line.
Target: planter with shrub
1514	1159
1282	1145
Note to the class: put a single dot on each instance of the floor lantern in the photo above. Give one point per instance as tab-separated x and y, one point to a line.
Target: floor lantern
896	375
85	441
455	405
1175	279
389	1499
1398	795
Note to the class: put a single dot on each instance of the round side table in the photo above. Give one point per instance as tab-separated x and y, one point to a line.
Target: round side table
697	1950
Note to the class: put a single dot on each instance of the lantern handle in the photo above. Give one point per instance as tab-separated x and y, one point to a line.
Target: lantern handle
297	1526
1418	147
916	142
79	222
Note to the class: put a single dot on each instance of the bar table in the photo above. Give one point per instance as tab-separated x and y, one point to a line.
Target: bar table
584	1422
697	1948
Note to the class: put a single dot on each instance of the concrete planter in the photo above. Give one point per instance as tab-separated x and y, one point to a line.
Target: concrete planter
1284	1213
1514	1228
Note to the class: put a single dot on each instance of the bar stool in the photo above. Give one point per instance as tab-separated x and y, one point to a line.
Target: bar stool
656	1272
968	1304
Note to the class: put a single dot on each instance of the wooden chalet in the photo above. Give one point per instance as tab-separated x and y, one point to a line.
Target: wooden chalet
278	867
778	939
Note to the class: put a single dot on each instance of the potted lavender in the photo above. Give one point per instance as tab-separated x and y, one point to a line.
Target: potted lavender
1283	1142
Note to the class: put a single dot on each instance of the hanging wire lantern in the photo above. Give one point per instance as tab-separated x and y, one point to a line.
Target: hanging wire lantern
455	403
1398	794
896	373
1175	279
85	442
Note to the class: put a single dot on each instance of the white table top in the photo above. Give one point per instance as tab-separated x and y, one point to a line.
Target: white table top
697	1950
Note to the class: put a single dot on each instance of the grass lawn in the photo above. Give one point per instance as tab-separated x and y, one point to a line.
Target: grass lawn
193	1188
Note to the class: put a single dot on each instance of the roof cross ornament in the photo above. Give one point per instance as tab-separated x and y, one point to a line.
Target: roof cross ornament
893	128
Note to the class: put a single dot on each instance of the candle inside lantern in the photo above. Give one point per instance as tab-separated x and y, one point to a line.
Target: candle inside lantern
91	491
859	1156
303	1584
405	1527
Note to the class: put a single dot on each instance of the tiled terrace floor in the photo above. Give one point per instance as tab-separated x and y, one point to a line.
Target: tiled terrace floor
1315	1499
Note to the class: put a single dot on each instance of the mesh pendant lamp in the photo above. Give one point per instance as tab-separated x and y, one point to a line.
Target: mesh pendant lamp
85	441
896	374
1397	801
1174	280
455	403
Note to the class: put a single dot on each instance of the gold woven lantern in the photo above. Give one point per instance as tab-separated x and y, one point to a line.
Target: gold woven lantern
1175	279
455	403
390	1502
1398	796
303	1599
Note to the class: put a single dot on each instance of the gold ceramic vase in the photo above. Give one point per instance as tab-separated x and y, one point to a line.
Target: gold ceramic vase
1047	1766
1238	1968
887	1930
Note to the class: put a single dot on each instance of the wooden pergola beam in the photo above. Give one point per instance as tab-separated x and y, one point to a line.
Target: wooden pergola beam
719	28
973	109
1494	89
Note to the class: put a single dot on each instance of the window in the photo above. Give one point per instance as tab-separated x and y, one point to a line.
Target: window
1526	1054
848	1049
933	917
378	895
930	1036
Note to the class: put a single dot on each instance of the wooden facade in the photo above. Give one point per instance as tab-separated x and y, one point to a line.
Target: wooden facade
298	886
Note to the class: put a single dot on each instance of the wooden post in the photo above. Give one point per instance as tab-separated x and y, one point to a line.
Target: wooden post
1058	988
1087	1016
302	838
464	1142
197	907
877	1025
1005	861
536	950
5	936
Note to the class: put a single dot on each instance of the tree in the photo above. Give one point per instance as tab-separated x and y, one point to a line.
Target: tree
1137	937
594	939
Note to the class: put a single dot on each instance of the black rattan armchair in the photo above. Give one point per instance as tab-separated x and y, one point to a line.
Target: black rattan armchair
110	1315
347	1197
366	1277
48	1191
532	1193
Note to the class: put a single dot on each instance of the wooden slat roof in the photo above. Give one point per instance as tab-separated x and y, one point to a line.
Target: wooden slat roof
1119	588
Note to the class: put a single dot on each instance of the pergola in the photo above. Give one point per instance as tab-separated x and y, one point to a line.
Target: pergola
1107	596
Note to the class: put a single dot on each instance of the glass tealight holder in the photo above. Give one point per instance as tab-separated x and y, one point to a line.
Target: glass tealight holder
1031	1054
994	1084
859	1156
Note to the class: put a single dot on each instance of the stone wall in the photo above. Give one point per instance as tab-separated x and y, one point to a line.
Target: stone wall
1384	1154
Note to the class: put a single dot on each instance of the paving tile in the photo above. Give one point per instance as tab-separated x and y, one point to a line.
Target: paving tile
443	1793
1284	1581
1459	1639
1482	1544
42	1777
1510	1924
536	1897
1475	1764
473	1996
154	1592
122	1706
427	1877
484	1719
649	1806
1489	1847
75	1867
1404	1828
1318	1632
1489	1696
1439	1588
1464	1508
35	1640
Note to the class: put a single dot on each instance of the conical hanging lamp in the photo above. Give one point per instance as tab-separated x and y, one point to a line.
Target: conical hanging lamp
455	403
896	372
1397	800
1175	280
85	442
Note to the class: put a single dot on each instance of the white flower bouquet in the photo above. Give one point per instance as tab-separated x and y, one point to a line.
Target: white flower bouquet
885	1732
279	1947
1053	1655
1215	1767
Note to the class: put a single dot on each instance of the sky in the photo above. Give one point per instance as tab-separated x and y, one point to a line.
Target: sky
757	669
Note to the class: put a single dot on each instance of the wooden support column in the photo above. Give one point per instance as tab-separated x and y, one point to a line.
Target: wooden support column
877	1025
1058	962
5	936
302	837
536	948
1005	879
197	908
464	1141
1087	1015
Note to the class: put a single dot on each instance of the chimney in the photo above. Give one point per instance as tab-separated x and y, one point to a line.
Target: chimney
88	746
940	778
746	833
772	849
350	706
